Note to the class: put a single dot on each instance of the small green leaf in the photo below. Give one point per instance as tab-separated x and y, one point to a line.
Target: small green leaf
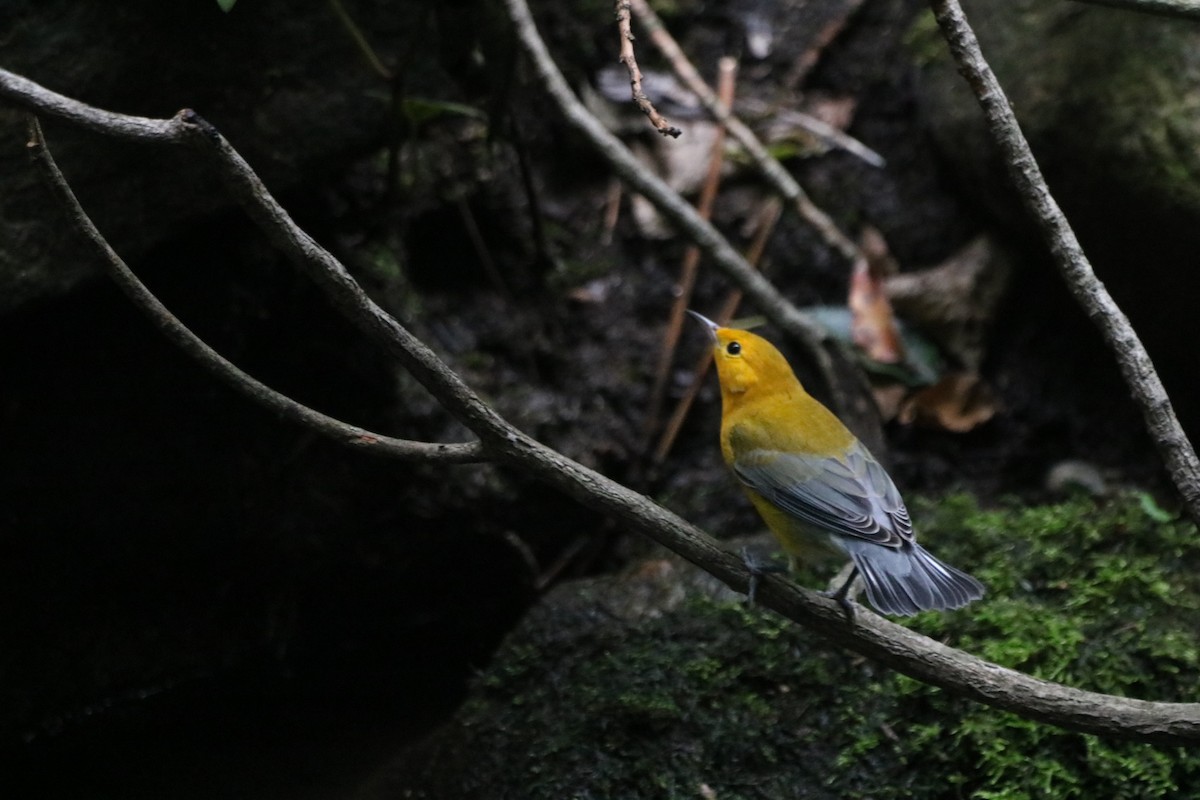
419	110
922	364
1152	509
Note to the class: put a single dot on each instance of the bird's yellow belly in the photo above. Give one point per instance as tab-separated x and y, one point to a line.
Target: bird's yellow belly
798	540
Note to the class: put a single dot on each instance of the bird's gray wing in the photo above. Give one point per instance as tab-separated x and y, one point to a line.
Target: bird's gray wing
850	495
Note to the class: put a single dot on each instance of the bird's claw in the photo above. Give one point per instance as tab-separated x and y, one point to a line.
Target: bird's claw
757	569
842	595
842	600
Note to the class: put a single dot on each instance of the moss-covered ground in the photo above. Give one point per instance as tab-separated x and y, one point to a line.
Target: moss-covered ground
715	699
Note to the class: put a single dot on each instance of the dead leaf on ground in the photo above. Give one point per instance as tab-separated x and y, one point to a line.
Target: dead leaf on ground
959	402
873	325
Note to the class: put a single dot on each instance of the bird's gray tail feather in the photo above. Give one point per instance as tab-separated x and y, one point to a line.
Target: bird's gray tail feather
906	580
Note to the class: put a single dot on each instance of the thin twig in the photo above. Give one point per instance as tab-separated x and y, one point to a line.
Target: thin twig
1144	384
360	41
724	315
475	236
537	225
726	81
612	209
832	136
1189	9
823	38
771	169
625	30
341	432
867	634
550	574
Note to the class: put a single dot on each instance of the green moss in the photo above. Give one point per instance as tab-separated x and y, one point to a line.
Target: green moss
1092	597
924	40
736	699
1135	97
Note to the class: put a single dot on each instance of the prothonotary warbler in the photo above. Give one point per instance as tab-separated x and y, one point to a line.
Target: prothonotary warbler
820	491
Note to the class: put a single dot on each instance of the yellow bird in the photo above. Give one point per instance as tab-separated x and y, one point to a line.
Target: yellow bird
819	490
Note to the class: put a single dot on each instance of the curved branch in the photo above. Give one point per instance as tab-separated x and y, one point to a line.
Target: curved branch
904	650
1173	445
25	92
218	365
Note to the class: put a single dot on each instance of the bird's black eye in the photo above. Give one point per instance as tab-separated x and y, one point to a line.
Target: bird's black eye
733	348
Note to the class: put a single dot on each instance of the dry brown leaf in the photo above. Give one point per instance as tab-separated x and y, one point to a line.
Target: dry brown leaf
959	402
872	324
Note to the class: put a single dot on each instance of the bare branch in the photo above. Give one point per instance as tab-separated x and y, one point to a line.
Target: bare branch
1189	9
27	93
824	37
193	345
1144	384
635	74
904	650
774	172
833	137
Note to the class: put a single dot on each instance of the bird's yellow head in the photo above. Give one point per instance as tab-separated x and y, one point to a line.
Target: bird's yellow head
746	362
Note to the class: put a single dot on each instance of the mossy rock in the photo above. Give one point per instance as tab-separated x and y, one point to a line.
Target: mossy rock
1107	98
661	684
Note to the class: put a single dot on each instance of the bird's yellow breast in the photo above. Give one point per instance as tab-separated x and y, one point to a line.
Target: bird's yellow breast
765	410
786	421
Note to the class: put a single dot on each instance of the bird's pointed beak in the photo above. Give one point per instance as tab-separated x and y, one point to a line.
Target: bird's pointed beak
706	322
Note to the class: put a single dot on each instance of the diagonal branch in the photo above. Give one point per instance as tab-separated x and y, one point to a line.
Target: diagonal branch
900	648
1173	445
